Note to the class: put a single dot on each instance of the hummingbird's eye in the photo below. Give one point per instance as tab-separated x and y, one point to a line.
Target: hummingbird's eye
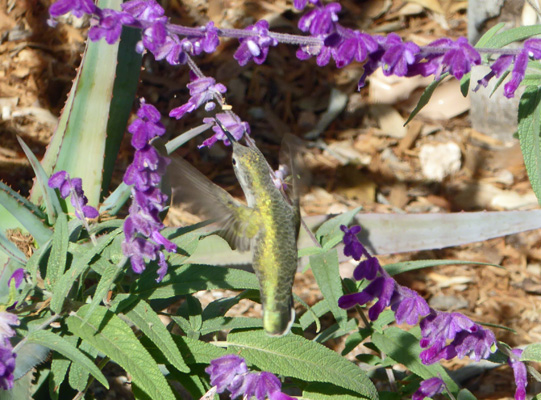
234	161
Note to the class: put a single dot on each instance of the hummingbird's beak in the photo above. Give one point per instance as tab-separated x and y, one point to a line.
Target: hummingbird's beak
224	129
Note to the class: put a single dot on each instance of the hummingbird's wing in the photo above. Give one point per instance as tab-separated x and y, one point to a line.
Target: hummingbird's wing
239	223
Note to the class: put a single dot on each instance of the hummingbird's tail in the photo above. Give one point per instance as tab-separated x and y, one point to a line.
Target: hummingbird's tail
278	322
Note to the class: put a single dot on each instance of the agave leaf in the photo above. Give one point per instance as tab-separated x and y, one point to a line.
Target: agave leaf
80	142
52	205
29	355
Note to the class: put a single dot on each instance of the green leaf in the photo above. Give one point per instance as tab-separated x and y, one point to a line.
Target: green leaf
78	376
59	251
335	331
50	198
29	356
300	358
319	309
532	352
465	84
309	311
110	335
114	202
80	264
425	97
405	266
107	280
465	394
19	213
329	233
529	129
60	365
482	42
188	278
327	274
512	35
220	306
191	310
228	323
404	348
196	351
64	347
146	319
324	391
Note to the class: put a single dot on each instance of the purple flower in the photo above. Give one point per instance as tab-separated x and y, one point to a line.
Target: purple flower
7	364
17	276
300	4
61	180
230	373
398	55
223	370
381	287
352	246
457	60
408	306
429	388
467	338
76	7
202	91
323	51
517	75
6	320
110	25
320	20
367	269
143	240
231	122
255	47
356	47
520	373
144	10
496	70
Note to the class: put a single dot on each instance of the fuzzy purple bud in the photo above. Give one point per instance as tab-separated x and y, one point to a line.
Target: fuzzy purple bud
408	306
352	246
429	388
202	91
320	20
255	47
398	56
520	373
76	7
232	123
110	25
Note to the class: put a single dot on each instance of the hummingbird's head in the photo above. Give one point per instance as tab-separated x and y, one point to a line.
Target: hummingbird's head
250	168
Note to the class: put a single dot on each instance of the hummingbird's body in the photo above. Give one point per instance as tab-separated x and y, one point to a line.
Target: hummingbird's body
269	225
274	245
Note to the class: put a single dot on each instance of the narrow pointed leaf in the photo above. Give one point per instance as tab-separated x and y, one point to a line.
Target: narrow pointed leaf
52	205
59	251
113	337
62	346
329	233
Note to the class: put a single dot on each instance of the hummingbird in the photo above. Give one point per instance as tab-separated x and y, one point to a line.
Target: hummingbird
268	225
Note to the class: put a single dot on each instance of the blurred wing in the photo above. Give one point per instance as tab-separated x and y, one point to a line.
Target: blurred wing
239	223
291	157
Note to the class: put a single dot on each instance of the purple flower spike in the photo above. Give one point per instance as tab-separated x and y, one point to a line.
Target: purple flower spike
352	246
7	364
322	52
300	4
408	306
202	91
110	25
477	345
517	75
255	47
533	47
223	370
144	10
143	240
429	388
398	56
76	7
520	373
355	47
496	70
232	123
320	20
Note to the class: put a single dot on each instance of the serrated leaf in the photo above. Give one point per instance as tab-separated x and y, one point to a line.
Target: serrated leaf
404	348
110	335
190	278
529	131
59	252
329	233
80	264
146	319
300	358
52	205
17	212
325	267
29	356
405	266
64	347
532	352
425	97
